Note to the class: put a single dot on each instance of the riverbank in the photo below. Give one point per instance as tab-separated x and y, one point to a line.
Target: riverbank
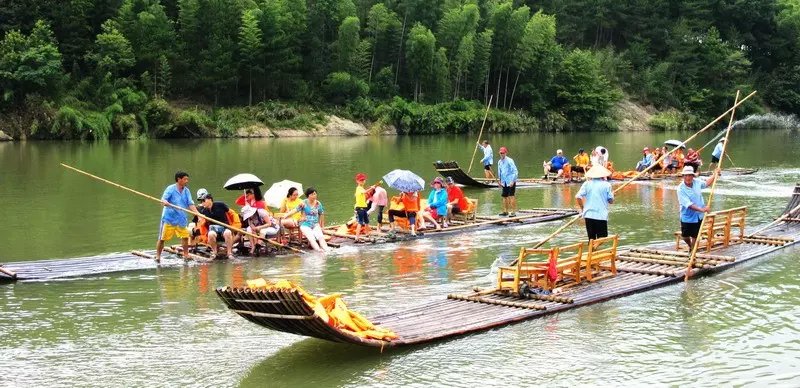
362	117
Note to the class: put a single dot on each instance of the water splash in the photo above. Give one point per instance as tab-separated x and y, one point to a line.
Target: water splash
768	121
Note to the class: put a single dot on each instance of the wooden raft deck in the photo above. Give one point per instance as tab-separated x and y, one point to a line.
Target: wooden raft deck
463	314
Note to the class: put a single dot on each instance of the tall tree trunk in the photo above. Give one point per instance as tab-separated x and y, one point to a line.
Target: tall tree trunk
513	90
250	96
400	50
505	89
499	79
486	85
372	62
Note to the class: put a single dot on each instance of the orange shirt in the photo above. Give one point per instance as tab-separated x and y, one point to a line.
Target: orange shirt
411	202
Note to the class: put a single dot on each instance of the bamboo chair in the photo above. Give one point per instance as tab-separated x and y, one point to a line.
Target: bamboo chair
601	256
534	273
720	230
467	215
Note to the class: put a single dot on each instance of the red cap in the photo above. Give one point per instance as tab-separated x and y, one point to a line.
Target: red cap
361	177
503	150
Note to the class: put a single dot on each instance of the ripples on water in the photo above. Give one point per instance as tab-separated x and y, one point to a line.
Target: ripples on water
168	328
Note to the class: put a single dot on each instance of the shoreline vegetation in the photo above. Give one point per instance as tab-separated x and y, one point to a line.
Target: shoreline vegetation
95	69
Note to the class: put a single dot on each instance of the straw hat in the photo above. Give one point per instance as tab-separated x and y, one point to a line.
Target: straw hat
248	211
688	170
598	171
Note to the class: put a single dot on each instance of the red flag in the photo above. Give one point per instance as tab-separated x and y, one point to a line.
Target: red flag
552	271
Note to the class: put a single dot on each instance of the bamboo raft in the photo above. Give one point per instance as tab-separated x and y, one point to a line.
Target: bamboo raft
143	260
638	269
452	170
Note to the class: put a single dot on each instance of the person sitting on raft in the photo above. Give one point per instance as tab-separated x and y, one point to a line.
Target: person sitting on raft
646	161
600	157
656	156
457	202
291	201
677	160
313	220
555	165
693	159
217	211
377	203
252	198
409	203
259	222
581	161
666	164
437	203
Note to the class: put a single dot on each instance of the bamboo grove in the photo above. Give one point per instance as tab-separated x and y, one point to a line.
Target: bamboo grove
127	68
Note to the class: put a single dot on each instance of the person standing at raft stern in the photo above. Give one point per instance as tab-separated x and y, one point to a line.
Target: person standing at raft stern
174	221
362	218
693	206
488	159
716	155
593	199
508	173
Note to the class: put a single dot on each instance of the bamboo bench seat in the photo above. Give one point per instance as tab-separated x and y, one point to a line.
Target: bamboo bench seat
600	259
720	230
467	215
534	273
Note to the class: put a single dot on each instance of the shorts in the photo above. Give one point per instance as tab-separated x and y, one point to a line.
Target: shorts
218	229
579	169
714	159
169	231
434	213
690	229
508	191
361	216
487	167
555	170
455	209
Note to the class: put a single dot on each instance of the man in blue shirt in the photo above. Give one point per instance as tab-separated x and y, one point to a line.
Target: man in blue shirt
488	159
508	182
716	155
693	206
646	161
174	221
556	164
593	199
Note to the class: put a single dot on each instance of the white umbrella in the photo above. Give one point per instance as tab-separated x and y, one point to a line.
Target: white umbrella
277	192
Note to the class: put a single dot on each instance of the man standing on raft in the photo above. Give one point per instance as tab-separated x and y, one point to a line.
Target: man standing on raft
693	206
593	199
174	221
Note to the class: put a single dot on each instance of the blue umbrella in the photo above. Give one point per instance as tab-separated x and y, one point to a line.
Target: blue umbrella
404	180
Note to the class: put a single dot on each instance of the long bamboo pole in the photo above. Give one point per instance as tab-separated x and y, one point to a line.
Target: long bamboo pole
182	209
780	219
629	181
715	177
475	150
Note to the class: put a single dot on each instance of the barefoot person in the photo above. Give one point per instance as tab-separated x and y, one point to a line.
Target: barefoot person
593	199
174	221
313	220
693	207
508	173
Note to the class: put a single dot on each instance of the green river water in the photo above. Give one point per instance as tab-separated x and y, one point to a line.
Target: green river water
166	327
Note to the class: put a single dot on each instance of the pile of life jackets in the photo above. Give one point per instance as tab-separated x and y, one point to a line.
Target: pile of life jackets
331	309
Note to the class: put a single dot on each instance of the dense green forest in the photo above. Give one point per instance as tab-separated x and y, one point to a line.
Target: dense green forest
127	68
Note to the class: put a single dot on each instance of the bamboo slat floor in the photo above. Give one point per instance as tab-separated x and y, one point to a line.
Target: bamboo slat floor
463	314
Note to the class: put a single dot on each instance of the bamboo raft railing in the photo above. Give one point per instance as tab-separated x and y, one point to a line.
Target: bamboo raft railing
638	269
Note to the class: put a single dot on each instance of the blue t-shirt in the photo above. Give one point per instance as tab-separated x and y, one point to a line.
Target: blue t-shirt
717	151
691	196
311	213
180	198
597	194
558	162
